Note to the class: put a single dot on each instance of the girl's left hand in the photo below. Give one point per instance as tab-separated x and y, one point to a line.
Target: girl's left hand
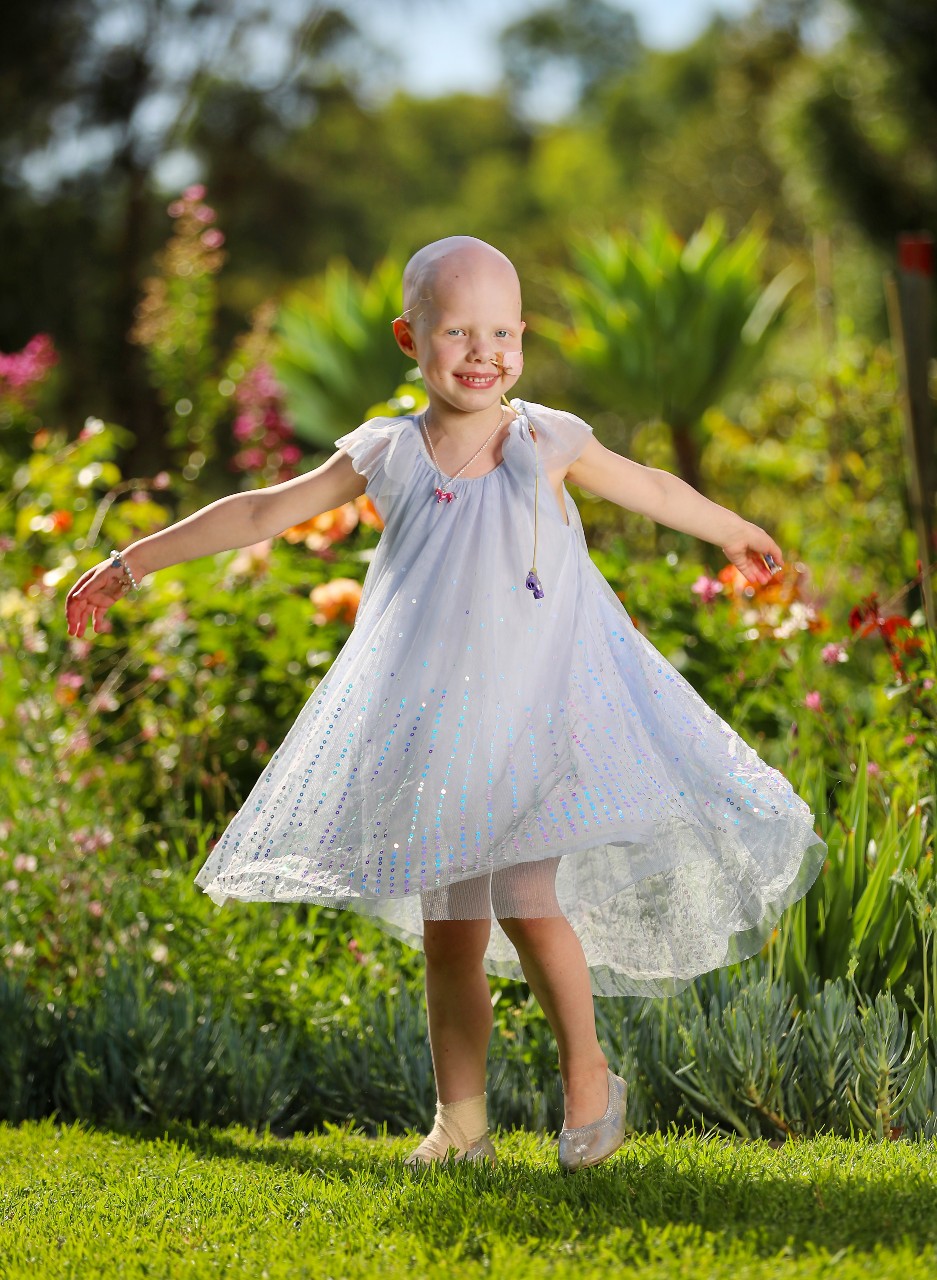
747	552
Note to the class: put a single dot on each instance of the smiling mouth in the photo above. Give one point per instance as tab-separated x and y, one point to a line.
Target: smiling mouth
477	380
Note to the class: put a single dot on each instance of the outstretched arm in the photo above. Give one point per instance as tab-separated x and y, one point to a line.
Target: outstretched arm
238	520
668	500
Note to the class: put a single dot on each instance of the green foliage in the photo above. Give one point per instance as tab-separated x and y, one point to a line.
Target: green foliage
856	137
175	684
744	1045
175	324
887	1071
664	329
733	1048
853	919
336	354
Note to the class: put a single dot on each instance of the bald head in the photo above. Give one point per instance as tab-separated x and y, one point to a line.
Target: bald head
438	268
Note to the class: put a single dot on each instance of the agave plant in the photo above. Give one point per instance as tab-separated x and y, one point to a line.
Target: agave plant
667	327
336	354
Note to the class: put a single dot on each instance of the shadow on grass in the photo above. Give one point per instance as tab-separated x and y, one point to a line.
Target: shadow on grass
829	1194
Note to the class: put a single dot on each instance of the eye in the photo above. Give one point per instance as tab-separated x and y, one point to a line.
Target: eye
503	333
449	332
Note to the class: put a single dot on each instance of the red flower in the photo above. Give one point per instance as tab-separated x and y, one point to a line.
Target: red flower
867	618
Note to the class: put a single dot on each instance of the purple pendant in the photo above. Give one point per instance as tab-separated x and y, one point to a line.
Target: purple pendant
533	584
441	493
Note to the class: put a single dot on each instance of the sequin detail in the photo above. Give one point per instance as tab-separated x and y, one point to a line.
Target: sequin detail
471	754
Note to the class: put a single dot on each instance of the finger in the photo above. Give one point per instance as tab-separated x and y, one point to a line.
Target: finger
73	615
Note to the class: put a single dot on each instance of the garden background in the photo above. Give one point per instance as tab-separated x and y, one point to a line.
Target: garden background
205	212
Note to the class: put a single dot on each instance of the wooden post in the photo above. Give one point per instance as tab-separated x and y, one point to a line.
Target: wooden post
909	297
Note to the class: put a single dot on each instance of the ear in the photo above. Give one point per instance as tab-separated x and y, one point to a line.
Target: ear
523	326
404	337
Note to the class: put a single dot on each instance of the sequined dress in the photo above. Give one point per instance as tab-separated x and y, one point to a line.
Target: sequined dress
475	752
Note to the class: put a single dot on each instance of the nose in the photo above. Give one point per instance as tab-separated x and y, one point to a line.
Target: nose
481	350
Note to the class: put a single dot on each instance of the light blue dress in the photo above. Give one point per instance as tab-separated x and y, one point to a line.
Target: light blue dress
475	752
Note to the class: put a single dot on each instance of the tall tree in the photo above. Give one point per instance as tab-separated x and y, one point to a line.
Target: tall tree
591	41
94	95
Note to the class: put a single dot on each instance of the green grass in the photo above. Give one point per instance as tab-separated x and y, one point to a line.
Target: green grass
83	1203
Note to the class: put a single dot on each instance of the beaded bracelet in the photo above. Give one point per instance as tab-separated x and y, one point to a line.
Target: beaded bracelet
119	563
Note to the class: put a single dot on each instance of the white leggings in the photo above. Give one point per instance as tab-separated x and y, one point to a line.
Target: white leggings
526	889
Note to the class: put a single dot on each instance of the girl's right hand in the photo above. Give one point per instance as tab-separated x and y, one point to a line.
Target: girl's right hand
93	594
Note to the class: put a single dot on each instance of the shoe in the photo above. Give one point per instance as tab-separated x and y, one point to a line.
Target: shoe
592	1143
478	1151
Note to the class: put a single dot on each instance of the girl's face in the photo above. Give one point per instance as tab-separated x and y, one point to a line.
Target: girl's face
467	341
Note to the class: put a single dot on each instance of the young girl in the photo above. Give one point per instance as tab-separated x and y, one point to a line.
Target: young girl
496	736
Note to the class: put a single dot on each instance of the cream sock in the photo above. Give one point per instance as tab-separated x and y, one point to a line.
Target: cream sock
458	1124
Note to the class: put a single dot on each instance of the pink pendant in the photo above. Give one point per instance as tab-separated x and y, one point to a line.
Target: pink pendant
441	493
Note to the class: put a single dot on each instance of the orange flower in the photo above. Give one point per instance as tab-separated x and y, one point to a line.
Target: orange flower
321	531
61	520
733	580
336	601
216	659
368	512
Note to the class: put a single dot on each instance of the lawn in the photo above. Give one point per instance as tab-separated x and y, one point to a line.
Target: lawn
199	1202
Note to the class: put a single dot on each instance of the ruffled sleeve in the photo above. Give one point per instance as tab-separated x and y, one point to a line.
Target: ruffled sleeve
561	436
381	450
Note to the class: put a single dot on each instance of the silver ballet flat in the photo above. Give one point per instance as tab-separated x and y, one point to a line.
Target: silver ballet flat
579	1148
480	1150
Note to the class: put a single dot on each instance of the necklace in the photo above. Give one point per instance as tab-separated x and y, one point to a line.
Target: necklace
442	494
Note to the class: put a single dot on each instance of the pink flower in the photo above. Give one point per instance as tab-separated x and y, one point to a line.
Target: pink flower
833	652
910	739
79	741
195	192
157	672
204	213
243	427
872	769
104	701
161	480
24	862
928	684
176	209
812	700
706	588
251	459
95	909
213	238
30	365
290	453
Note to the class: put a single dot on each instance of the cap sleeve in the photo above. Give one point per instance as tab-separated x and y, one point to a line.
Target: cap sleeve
375	448
383	451
561	436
